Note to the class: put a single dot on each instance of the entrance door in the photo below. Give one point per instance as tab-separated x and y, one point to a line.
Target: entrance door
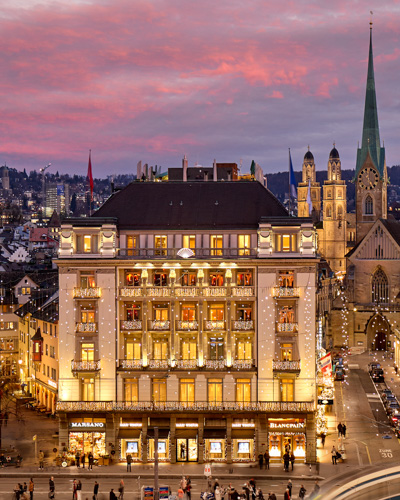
380	341
186	450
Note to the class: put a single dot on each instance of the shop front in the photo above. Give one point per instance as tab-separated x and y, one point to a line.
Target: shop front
287	435
163	445
215	445
243	445
130	443
87	437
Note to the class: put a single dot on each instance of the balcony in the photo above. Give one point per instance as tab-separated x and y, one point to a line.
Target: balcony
187	326
78	365
196	406
186	364
243	364
158	364
135	324
214	364
242	291
159	325
160	291
286	366
214	324
130	364
287	327
86	327
243	325
131	291
87	293
188	291
172	253
282	292
215	291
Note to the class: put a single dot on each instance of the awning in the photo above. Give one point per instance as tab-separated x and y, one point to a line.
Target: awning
185	433
214	433
242	433
162	433
129	433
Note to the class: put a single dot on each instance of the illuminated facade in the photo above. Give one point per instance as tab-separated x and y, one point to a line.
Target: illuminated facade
196	316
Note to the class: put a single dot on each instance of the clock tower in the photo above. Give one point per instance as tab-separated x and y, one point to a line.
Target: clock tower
371	172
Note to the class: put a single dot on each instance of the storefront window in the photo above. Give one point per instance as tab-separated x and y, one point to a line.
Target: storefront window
282	442
215	449
131	390
242	450
163	449
87	442
186	449
131	447
243	390
214	390
186	390
159	390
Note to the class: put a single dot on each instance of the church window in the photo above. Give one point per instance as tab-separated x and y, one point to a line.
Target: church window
329	193
380	287
340	194
328	211
369	205
340	212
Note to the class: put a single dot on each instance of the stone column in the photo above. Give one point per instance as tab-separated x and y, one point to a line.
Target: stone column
229	440
144	440
172	424
201	440
311	439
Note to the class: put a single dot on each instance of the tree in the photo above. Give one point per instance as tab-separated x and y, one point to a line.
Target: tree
8	403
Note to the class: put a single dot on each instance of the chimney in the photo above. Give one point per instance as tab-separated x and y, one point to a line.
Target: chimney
215	170
139	170
185	167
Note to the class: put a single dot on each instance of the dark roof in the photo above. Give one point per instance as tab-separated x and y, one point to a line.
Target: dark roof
191	205
393	226
308	156
334	154
48	312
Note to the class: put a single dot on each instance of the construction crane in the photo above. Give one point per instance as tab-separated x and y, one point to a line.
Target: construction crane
42	171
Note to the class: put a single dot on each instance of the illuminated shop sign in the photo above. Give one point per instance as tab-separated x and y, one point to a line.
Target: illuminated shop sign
91	425
243	426
187	425
130	424
286	425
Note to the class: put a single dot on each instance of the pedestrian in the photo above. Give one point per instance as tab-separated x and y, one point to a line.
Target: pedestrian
79	490
113	496
180	493
339	429
260	460
77	459
52	487
41	460
121	490
287	496
74	495
302	492
292	459
315	491
344	428
266	459
289	487
83	459
271	496
17	491
128	462
246	489
95	490
217	493
334	453
252	485
286	460
323	436
90	461
188	488
31	488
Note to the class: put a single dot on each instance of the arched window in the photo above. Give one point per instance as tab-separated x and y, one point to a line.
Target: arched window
328	210
340	212
380	287
369	205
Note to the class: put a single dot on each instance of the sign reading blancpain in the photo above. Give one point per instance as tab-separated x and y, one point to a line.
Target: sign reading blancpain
86	425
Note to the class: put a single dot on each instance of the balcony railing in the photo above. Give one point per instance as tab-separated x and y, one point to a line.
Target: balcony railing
287	327
162	364
285	292
188	291
86	327
214	364
243	364
87	293
135	324
210	324
172	253
286	366
215	291
131	291
197	406
242	291
85	366
130	364
187	325
186	364
159	325
241	324
160	291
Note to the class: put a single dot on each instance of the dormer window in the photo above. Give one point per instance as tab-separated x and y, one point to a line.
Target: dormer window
286	242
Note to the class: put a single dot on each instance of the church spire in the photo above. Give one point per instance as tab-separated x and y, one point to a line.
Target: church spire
370	137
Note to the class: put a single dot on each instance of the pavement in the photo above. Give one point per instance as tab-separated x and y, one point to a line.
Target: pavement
367	445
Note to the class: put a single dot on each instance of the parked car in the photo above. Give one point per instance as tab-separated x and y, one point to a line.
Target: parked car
392	407
373	366
388	396
339	373
378	375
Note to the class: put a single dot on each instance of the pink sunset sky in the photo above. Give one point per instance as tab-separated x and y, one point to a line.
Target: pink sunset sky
154	80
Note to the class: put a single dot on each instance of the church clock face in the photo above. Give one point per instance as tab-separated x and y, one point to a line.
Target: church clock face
368	178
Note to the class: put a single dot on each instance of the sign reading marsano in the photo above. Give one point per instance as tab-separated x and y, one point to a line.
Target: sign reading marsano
86	425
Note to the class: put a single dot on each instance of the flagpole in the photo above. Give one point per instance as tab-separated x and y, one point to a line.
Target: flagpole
289	183
90	194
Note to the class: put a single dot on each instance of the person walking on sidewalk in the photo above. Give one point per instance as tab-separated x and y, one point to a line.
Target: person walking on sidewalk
302	492
129	463
41	460
260	460
286	460
344	428
188	488
90	461
287	496
289	487
83	459
95	490
266	459
113	496
323	436
74	495
31	488
292	459
121	490
79	490
271	496
334	455
339	429
52	488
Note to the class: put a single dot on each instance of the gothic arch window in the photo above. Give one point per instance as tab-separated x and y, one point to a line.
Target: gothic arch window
369	205
340	212
380	287
328	211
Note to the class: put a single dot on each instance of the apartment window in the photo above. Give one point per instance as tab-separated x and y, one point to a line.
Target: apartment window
87	352
160	278
188	312
133	348
44	369
287	389
51	330
54	374
286	279
216	346
131	390
87	387
87	316
52	352
245	278
186	390
244	349
214	390
48	371
216	312
132	244
188	278
286	352
161	312
159	390
133	312
26	290
89	242
243	390
132	279
188	349
216	242
47	349
55	331
160	245
244	244
160	348
189	241
244	312
88	280
286	243
286	314
216	278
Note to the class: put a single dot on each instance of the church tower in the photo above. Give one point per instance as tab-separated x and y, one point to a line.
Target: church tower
371	172
334	215
309	183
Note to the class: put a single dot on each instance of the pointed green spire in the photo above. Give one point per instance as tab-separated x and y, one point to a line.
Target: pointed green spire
370	136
